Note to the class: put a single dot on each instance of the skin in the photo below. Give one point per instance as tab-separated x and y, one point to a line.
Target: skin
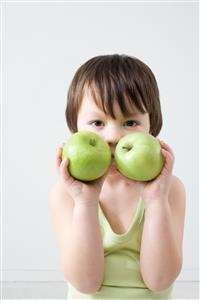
74	208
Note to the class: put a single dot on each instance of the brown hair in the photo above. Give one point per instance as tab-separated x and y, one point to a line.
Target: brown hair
120	78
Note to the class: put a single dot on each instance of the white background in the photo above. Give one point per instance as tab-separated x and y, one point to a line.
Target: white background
43	45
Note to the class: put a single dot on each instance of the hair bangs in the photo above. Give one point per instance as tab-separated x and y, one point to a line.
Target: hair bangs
107	92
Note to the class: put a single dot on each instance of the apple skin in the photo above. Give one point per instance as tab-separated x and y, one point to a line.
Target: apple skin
138	156
89	155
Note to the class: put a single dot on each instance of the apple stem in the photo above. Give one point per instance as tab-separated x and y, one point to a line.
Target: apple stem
128	147
92	142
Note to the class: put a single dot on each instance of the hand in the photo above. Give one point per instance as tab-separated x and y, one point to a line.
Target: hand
81	192
159	188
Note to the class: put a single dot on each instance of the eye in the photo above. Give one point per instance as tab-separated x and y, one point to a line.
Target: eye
131	123
97	123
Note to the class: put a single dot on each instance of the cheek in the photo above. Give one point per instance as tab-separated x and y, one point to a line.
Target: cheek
81	125
146	124
92	129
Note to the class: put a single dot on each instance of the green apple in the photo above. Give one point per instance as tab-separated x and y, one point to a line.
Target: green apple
89	155
138	156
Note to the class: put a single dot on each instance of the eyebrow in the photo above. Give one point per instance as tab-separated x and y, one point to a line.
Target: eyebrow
134	114
100	114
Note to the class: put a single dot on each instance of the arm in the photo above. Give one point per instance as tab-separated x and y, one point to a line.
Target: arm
161	246
74	210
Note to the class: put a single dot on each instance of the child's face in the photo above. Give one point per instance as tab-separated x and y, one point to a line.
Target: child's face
92	118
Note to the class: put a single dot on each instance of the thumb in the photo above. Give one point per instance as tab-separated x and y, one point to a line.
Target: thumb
101	180
63	170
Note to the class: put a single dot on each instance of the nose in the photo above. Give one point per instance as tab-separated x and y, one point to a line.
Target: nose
112	135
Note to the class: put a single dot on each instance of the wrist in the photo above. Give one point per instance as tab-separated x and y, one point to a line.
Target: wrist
85	211
157	203
156	213
84	203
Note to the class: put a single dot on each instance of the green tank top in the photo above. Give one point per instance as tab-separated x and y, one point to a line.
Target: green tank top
122	278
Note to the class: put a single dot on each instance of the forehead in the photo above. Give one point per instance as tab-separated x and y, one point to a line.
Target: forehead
91	104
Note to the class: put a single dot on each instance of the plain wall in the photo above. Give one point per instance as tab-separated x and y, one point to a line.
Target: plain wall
43	44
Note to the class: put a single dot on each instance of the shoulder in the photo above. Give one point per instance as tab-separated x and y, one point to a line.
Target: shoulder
177	193
177	199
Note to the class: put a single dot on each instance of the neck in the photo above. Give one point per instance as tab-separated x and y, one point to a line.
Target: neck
119	185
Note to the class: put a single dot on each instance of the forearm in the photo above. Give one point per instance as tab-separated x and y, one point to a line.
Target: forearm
160	261
85	253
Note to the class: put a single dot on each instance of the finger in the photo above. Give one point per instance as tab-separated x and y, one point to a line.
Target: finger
169	160
166	146
168	155
99	181
63	170
59	156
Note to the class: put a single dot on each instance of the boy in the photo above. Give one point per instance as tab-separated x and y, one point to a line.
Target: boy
118	238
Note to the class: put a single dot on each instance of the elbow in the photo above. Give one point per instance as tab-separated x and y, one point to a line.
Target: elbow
158	286
83	282
87	287
84	286
160	283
